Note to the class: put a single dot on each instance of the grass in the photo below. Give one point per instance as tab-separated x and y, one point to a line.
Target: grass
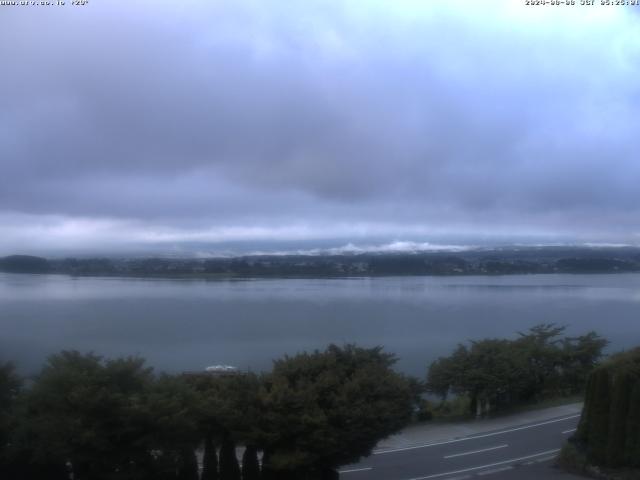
457	409
546	403
573	460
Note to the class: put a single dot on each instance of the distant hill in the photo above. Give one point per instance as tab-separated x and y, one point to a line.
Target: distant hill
24	264
497	261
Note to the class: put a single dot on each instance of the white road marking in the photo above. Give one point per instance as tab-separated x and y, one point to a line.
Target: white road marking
470	469
476	451
570	430
355	470
465	439
545	459
495	470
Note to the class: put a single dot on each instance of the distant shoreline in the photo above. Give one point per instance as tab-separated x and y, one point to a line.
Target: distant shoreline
483	262
222	277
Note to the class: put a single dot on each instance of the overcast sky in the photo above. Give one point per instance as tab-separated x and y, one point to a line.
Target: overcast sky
192	126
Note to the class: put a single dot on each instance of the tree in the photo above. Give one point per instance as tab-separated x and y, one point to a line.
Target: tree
580	355
540	349
632	444
209	459
230	415
440	376
495	373
80	409
166	418
10	385
492	374
329	408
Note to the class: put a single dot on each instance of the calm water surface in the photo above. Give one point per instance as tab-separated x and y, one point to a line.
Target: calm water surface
189	324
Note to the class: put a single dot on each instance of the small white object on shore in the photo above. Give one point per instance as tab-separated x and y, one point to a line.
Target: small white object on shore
221	369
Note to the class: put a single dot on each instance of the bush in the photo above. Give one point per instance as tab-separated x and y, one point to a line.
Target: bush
424	411
456	407
611	416
571	458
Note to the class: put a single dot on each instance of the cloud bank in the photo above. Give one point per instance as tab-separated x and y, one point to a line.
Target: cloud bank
159	125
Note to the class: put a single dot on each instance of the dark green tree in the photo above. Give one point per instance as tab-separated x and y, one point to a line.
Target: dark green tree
10	385
580	355
610	422
495	373
80	409
632	445
618	414
441	375
166	418
541	353
230	414
330	408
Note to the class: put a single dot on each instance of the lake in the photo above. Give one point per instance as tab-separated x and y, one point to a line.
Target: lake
189	324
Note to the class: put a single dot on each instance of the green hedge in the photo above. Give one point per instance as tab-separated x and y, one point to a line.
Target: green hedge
609	430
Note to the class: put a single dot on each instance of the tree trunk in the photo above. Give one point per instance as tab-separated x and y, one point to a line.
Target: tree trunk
188	465
250	465
210	460
229	468
267	472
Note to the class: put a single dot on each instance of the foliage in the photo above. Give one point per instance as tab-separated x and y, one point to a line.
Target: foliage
424	411
496	373
10	385
103	419
166	420
573	459
609	428
82	408
453	408
329	408
230	406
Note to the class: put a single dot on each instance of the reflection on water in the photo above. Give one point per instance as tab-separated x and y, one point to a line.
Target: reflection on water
188	324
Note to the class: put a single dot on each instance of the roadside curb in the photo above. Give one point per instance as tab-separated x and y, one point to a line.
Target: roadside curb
429	435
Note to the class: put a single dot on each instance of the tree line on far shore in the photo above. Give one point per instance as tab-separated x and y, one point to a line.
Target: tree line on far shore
502	261
104	419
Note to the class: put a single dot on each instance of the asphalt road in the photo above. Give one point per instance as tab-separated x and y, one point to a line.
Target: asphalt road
515	452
